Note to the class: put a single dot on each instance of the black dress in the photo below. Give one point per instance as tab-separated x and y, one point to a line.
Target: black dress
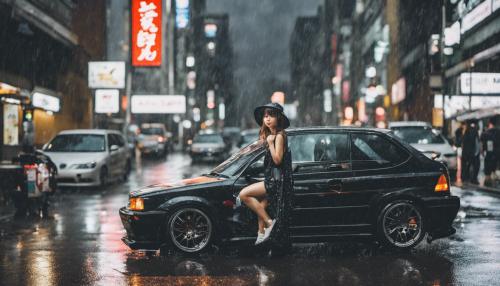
278	182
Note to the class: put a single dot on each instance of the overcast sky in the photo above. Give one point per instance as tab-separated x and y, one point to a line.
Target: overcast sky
260	34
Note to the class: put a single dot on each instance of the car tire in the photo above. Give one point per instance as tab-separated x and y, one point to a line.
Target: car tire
185	237
103	177
400	225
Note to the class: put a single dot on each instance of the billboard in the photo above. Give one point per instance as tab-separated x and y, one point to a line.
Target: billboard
107	101
46	102
480	83
162	104
106	74
146	32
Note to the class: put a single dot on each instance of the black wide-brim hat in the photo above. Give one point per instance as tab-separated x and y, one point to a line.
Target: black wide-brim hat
258	113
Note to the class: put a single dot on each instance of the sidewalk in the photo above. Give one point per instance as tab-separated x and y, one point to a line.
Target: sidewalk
488	189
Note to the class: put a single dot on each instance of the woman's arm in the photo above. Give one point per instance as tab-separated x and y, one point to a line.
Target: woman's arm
276	147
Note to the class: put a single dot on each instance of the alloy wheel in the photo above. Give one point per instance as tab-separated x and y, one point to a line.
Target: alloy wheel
190	230
402	224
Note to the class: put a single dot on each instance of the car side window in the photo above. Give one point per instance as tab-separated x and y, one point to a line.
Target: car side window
319	147
371	151
119	140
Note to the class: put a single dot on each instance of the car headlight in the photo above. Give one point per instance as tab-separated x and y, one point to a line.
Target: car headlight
136	204
89	165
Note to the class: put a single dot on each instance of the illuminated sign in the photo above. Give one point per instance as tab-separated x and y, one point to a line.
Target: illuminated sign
10	124
476	16
398	91
181	13
107	74
452	34
158	104
46	102
107	101
146	32
482	83
210	30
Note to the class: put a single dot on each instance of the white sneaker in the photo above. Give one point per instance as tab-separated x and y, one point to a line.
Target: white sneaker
267	231
260	237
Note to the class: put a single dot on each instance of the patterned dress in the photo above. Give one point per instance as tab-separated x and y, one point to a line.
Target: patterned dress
278	182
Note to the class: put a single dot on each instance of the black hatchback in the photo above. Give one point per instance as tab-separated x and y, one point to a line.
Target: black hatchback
348	183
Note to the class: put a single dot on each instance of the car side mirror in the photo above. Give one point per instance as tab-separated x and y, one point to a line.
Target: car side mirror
114	148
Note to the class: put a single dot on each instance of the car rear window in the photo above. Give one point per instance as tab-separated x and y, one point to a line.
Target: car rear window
374	151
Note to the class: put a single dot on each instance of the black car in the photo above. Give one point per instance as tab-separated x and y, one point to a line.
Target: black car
348	183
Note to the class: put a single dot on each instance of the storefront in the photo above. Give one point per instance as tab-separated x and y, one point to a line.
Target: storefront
12	103
46	106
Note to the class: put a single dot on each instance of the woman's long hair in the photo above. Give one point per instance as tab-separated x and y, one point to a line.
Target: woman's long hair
280	126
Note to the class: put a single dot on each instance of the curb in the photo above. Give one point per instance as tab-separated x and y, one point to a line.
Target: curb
489	190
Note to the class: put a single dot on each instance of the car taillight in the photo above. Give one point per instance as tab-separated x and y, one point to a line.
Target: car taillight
442	184
161	139
136	204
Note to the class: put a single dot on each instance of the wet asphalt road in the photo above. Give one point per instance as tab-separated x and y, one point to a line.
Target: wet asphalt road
79	244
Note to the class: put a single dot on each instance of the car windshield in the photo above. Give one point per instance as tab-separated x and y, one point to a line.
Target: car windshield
152	131
77	143
237	160
418	135
208	138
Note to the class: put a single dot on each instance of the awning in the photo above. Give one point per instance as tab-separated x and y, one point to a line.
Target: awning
479	114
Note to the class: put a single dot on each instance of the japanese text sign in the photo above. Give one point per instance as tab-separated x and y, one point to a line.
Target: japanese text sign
146	32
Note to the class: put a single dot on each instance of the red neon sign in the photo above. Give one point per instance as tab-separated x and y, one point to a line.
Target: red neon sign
146	32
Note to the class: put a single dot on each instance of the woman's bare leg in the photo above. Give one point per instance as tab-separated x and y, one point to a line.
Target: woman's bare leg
249	196
262	224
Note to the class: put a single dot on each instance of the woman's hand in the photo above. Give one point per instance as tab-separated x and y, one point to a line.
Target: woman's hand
270	139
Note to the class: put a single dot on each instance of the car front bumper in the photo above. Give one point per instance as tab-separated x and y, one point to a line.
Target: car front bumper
78	177
439	215
143	228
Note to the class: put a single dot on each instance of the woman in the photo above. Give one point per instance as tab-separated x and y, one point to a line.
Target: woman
277	185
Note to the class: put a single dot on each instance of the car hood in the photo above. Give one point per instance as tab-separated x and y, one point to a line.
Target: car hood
441	148
201	180
70	158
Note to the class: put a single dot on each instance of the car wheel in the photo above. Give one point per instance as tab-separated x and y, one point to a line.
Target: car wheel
190	230
400	225
103	177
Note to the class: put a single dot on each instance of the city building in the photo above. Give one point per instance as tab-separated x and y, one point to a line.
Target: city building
45	48
213	72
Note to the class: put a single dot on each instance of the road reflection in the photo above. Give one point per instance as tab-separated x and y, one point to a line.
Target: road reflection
354	267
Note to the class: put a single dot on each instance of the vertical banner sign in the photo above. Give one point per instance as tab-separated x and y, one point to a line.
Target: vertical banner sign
146	32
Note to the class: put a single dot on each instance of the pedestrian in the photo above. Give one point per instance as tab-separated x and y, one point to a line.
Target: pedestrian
490	146
275	190
459	134
470	153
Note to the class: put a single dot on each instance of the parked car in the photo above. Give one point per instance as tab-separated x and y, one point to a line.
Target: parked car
154	139
348	183
89	157
430	141
232	134
248	136
209	146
